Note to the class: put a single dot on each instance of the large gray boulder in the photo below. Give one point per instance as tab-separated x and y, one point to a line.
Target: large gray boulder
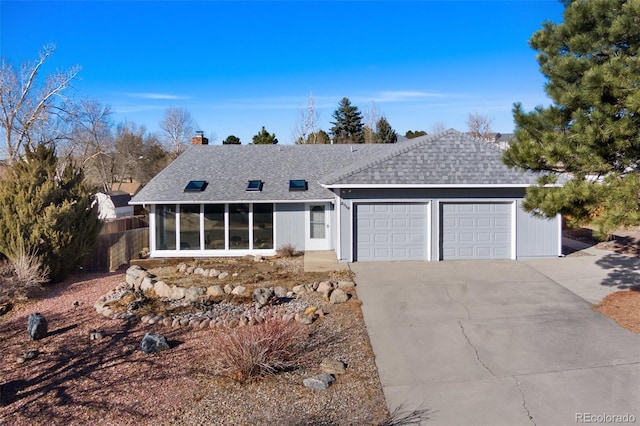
262	296
153	343
37	326
215	291
332	366
319	382
338	296
280	291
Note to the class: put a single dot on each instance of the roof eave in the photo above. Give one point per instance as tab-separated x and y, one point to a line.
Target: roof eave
430	186
310	200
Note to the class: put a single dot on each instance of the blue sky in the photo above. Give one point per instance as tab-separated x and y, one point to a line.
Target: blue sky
240	65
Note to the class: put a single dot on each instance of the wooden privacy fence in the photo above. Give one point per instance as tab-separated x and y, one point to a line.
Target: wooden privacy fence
119	241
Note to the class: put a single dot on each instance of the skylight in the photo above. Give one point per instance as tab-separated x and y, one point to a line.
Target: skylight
298	185
254	185
196	186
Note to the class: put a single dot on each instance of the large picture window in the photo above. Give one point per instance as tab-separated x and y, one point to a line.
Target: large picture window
238	226
166	227
263	226
190	227
214	229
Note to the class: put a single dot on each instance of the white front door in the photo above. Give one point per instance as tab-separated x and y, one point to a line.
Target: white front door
317	227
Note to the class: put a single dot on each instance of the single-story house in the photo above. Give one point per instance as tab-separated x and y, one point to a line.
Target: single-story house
437	197
113	204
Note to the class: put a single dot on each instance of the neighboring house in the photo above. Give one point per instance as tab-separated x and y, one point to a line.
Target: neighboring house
502	140
437	197
130	187
113	204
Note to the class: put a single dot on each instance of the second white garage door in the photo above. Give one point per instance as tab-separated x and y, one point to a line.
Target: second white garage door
475	231
391	231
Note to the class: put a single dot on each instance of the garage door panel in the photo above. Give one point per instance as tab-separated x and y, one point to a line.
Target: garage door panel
399	222
502	222
466	222
484	222
464	237
381	223
482	237
502	237
475	231
381	238
381	252
417	224
417	238
391	231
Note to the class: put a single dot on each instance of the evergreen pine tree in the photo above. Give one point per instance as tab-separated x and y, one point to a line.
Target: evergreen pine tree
410	134
47	214
348	127
384	132
319	137
591	132
231	140
264	138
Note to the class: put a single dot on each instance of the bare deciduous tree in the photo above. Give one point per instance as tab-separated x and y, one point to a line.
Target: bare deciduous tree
178	127
438	127
479	125
305	128
31	109
91	142
371	116
139	155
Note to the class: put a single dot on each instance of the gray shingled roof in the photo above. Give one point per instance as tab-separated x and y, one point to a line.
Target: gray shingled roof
228	168
448	157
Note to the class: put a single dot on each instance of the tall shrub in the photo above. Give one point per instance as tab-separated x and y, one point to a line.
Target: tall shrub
47	212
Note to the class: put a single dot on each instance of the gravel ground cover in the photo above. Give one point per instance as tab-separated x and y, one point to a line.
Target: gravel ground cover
76	380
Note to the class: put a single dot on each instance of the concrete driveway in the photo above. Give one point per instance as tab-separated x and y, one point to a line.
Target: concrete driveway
496	343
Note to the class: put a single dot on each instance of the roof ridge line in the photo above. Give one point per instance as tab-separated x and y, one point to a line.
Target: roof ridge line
398	150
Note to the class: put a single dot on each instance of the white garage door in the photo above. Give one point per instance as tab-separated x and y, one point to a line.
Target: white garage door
475	231
391	231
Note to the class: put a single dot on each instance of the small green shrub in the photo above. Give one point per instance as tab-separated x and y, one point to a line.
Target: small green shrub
46	209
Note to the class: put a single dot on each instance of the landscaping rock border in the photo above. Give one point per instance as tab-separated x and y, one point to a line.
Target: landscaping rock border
268	302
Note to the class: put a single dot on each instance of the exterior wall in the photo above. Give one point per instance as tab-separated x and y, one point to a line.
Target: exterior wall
532	237
537	237
344	243
333	226
290	225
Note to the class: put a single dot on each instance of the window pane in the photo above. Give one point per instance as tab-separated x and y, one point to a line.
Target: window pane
214	226
317	222
190	227
238	226
166	227
263	226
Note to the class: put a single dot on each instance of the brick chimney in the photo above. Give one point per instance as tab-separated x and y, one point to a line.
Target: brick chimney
199	139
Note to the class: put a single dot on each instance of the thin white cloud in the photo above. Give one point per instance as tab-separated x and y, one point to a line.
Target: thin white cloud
403	96
156	96
132	109
267	103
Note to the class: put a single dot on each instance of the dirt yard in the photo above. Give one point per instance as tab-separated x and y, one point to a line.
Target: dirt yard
75	380
622	306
